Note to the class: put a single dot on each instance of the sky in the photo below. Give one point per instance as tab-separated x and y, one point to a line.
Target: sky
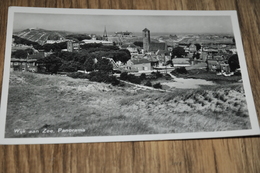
113	23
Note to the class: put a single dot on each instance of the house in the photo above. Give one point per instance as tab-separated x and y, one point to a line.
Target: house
104	42
28	64
123	34
138	65
23	65
218	66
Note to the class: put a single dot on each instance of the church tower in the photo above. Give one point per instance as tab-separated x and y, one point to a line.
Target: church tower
146	39
105	34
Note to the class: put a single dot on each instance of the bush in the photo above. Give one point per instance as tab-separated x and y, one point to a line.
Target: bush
104	77
181	70
78	75
142	76
156	75
124	76
97	77
130	77
134	79
168	77
114	81
148	83
157	85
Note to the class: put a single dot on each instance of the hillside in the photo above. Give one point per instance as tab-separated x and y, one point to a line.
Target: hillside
40	35
48	102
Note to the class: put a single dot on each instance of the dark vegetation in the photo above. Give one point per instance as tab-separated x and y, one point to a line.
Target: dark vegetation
130	77
20	54
207	75
96	76
78	37
51	63
88	58
94	58
142	79
178	52
233	63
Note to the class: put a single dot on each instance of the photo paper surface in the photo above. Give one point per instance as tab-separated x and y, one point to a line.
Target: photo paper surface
81	75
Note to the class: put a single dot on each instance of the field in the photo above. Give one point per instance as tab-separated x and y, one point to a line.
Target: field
51	106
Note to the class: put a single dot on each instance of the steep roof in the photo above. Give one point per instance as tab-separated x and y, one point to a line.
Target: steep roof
36	56
23	60
140	61
145	29
129	45
157	46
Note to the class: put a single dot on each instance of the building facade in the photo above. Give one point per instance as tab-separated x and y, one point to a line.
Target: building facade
146	40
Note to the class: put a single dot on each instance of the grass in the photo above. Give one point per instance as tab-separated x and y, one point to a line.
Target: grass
41	102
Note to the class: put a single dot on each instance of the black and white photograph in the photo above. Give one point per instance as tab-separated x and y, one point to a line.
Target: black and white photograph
81	75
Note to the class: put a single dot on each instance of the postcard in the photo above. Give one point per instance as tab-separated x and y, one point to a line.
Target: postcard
85	75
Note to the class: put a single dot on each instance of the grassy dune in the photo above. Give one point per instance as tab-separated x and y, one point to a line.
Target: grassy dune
46	102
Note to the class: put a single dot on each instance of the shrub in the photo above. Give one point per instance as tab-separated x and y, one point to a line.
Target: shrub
181	70
148	83
142	76
134	79
156	75
157	85
78	75
114	81
124	76
97	77
168	77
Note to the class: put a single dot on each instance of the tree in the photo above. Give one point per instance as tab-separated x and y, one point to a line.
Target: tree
127	52
120	55
198	46
66	56
79	37
20	54
71	66
52	63
143	76
89	64
124	76
91	45
178	52
233	62
104	64
148	83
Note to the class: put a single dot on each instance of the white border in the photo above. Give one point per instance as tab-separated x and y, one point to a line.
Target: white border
195	135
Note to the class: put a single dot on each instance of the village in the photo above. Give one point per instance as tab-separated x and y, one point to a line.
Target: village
146	54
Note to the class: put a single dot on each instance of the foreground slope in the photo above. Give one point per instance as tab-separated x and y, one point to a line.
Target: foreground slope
79	107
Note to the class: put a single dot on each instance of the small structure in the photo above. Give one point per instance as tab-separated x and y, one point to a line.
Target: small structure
138	65
123	34
73	46
104	42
